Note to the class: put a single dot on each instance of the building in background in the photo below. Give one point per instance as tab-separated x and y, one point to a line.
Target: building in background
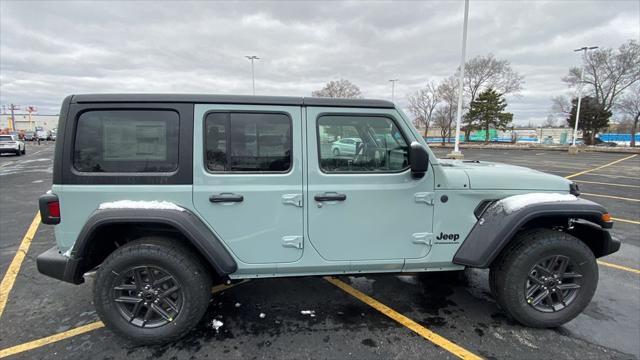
22	121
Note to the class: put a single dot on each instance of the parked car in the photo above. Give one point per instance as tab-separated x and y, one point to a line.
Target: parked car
29	135
52	135
12	144
41	133
345	146
599	142
166	195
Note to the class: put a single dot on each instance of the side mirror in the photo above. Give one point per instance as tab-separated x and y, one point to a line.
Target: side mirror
419	159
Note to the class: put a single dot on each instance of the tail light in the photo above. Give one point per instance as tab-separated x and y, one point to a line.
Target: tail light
49	209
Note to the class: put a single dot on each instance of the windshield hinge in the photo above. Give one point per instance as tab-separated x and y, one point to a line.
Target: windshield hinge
425	197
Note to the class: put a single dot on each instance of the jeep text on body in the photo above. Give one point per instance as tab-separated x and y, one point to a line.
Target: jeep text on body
166	195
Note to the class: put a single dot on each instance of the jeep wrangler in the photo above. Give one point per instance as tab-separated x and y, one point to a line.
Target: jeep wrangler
167	195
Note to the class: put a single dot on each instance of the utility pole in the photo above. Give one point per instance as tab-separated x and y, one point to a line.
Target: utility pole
253	76
456	153
393	89
13	108
573	149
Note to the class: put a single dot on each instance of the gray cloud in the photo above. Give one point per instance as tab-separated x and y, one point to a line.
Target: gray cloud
51	49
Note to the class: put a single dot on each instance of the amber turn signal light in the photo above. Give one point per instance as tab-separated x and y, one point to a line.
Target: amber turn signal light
606	217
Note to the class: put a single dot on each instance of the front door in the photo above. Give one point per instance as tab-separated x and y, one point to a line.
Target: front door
364	205
248	179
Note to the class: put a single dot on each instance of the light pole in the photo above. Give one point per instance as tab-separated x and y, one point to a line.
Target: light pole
572	148
253	75
456	153
393	89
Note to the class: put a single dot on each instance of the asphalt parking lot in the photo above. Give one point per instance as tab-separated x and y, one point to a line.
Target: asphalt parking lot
434	315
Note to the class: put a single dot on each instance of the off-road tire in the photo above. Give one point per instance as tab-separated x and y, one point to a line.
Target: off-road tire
509	272
185	265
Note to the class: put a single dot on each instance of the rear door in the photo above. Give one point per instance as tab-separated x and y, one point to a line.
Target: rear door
248	179
364	206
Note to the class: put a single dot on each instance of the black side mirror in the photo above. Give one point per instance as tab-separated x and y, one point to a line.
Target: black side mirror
419	159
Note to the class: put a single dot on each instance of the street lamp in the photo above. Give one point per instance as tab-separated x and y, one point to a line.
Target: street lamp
253	75
584	49
456	154
393	89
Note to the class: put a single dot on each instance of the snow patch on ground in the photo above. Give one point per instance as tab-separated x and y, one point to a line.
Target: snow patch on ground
216	324
408	279
131	204
311	313
517	202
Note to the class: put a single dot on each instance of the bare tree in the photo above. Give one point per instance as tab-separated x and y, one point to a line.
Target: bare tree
560	105
338	89
484	72
448	94
441	119
629	105
422	104
608	72
549	122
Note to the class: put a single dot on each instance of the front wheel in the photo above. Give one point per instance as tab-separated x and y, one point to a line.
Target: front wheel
545	278
152	290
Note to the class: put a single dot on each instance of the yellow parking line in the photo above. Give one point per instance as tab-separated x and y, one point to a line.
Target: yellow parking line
10	277
619	267
50	339
625	220
79	330
600	167
604	183
451	347
610	197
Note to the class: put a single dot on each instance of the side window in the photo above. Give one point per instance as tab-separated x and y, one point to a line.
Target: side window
127	141
248	142
352	143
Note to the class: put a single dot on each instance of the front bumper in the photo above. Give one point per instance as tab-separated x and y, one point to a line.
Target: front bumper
53	264
9	150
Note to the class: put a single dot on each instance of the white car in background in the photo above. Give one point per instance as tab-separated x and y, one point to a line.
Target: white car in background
12	144
345	146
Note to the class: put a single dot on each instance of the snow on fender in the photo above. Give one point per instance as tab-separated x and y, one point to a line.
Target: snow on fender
514	203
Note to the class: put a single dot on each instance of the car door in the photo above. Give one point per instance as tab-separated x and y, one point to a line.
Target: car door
248	179
365	206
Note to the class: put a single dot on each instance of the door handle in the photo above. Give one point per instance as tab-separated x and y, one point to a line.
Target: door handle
226	198
330	196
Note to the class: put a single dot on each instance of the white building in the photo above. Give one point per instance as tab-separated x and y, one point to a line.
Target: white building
23	122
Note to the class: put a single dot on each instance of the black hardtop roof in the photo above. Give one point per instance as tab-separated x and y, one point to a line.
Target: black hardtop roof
229	99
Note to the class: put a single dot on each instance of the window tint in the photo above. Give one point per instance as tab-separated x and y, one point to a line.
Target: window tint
361	144
247	142
127	141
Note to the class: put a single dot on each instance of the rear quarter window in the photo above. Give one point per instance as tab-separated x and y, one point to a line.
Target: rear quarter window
127	141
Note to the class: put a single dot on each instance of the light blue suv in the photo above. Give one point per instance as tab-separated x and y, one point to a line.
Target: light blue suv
166	195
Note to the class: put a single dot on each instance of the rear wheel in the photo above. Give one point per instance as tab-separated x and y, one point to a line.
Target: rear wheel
545	278
152	290
24	150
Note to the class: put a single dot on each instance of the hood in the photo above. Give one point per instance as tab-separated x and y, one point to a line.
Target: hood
489	175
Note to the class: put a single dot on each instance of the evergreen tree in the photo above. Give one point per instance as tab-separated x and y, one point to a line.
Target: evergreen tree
593	118
487	111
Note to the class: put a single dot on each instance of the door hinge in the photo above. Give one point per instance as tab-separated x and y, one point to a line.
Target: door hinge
292	241
425	197
292	199
423	238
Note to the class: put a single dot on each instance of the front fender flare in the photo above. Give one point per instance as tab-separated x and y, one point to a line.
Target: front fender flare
496	227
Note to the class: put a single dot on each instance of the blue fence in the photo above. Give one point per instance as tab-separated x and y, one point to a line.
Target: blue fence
618	137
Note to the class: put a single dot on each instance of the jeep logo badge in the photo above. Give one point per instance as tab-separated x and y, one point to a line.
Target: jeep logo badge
444	236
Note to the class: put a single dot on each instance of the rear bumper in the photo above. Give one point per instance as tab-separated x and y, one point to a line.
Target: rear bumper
9	150
53	264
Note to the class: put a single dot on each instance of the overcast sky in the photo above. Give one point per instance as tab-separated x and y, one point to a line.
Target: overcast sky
51	49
